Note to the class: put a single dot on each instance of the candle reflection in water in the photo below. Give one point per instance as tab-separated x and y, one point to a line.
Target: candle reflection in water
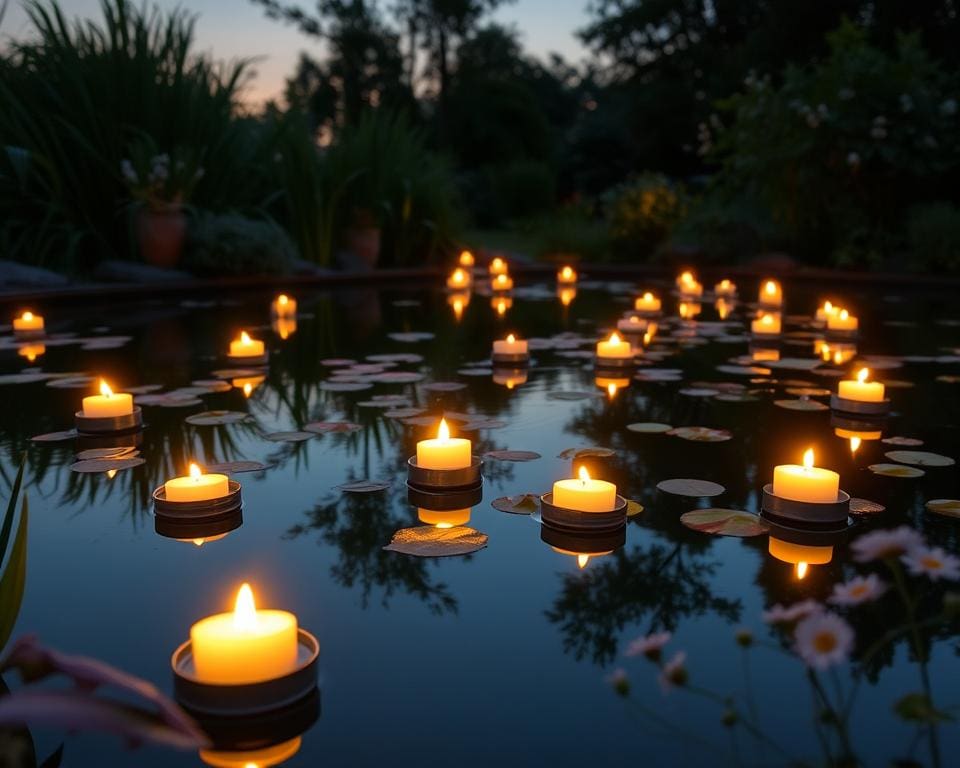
466	259
566	294
247	384
254	758
31	351
800	556
458	301
724	307
443	518
501	304
612	384
284	326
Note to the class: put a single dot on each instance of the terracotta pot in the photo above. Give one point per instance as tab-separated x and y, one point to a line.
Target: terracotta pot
160	235
363	245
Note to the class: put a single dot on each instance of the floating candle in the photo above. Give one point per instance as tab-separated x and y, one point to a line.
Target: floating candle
502	282
246	347
284	306
108	404
584	494
567	275
443	519
196	486
691	289
459	278
615	348
28	324
767	324
566	294
826	311
771	294
842	321
497	267
725	288
466	259
686	278
245	646
806	483
510	346
860	389
647	303
443	451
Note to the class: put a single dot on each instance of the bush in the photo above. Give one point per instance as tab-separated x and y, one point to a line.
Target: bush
642	213
231	244
524	188
572	230
933	236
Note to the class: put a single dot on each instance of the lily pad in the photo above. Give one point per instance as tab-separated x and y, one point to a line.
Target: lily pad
324	427
684	486
235	467
895	470
55	437
108	453
724	522
216	418
444	386
945	507
106	465
865	507
345	386
802	404
411	337
363	486
293	436
906	442
649	427
428	541
337	362
22	378
522	504
571	396
475	424
586	453
806	391
511	455
398	377
920	458
736	397
403	413
633	508
699	392
701	434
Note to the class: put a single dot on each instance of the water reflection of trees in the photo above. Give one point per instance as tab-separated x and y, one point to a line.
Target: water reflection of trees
657	584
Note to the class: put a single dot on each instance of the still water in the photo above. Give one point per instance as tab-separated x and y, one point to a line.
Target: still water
503	654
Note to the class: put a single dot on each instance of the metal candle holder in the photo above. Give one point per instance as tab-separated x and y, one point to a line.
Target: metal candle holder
197	512
256	360
230	699
518	360
444	481
617	364
589	543
444	501
823	513
857	424
87	441
573	520
106	425
859	407
30	334
808	536
184	527
842	333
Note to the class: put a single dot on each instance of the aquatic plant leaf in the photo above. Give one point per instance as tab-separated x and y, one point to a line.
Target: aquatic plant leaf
917	708
235	467
920	458
324	427
22	378
947	378
736	397
363	486
216	418
444	386
724	522
805	391
794	363
895	470
685	486
744	370
14	575
865	507
396	357
237	373
429	541
478	372
106	465
701	434
699	392
292	436
345	386
897	384
521	504
572	396
72	382
802	404
337	362
55	437
633	508
906	442
945	507
213	385
108	453
586	453
511	455
475	424
144	389
411	337
649	427
404	413
398	377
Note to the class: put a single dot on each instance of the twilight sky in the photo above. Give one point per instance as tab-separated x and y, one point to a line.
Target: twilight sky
237	28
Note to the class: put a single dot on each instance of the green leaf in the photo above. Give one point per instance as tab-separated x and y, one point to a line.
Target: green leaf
917	708
14	578
11	509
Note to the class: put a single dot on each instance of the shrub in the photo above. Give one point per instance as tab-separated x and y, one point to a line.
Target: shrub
231	244
642	213
524	188
933	236
573	230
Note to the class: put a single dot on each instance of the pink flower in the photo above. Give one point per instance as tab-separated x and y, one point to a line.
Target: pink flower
933	563
886	543
791	614
860	589
649	646
823	639
674	672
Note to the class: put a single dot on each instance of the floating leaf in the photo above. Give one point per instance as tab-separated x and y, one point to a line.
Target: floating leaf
444	386
736	397
633	508
108	453
805	391
106	465
690	487
404	413
237	373
522	504
572	396
474	425
363	486
293	436
428	541
897	384
917	708
511	455
235	467
55	437
586	453
701	434
344	386
744	370
801	405
398	377
216	418
724	522
411	337
865	507
22	378
945	378
699	392
179	402
649	427
920	458
337	362
396	357
895	470
906	442
72	382
945	507
478	372
324	427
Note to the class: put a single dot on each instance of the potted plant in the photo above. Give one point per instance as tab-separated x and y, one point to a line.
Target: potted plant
160	184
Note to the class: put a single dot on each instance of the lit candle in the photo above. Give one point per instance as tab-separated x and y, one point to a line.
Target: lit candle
497	267
445	519
284	306
566	294
615	348
108	404
647	303
510	346
725	288
767	324
246	347
800	555
459	278
806	483
31	351
633	324
842	321
583	494
826	311
567	275
860	389
443	451
458	301
196	486
245	646
686	278
28	324
502	282
692	289
466	259
771	294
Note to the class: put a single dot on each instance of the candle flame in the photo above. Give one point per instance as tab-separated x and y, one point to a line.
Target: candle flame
283	300
686	277
648	296
458	307
634	319
466	258
808	459
583	475
195	471
443	431
105	389
825	352
837	358
459	275
567	273
802	569
582	561
854	444
244	337
844	314
683	309
767	320
614	338
497	263
862	375
111	473
724	284
770	287
245	610
28	316
198	542
511	338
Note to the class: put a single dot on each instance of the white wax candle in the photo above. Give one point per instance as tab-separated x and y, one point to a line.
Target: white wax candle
245	646
692	290
443	451
584	494
108	404
502	282
647	303
842	321
768	323
860	389
459	278
28	323
246	347
805	483
510	346
771	294
826	310
615	348
466	259
196	486
498	266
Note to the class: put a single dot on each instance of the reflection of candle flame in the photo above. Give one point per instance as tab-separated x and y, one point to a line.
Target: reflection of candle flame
458	307
111	473
501	307
862	375
509	383
686	277
808	459
459	276
827	308
444	525
582	561
767	319
611	390
195	472
584	475
648	296
105	389
854	444
199	542
466	259
247	389
443	431
801	569
245	610
497	264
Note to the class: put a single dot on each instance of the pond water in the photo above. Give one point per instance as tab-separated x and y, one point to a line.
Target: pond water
503	654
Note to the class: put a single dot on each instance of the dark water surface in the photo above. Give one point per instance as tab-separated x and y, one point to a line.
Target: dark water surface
501	655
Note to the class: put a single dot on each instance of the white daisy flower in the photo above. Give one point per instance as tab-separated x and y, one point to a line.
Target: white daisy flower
933	563
649	645
790	614
886	543
823	639
860	589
